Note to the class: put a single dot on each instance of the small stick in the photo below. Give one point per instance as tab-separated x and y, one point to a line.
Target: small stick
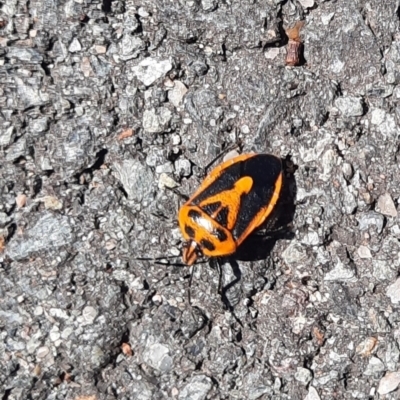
294	45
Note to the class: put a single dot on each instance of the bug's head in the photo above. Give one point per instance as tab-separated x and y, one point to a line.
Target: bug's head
191	252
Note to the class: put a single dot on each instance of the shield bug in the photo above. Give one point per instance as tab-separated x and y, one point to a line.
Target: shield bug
294	45
235	199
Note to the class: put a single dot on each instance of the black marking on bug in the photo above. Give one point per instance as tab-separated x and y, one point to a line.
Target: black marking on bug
211	208
207	245
264	170
222	217
221	235
194	215
190	231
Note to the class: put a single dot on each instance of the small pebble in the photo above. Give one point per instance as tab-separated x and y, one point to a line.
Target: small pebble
374	366
231	154
389	382
42	352
271	53
393	291
303	375
386	205
89	314
312	394
364	252
350	106
366	347
307	3
177	93
20	200
166	181
75	46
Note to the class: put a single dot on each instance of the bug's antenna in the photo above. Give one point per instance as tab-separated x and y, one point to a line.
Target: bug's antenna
220	287
178	193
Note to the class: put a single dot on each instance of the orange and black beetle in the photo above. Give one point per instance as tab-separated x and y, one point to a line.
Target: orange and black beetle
233	201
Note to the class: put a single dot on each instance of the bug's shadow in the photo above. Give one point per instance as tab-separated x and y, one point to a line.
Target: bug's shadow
259	245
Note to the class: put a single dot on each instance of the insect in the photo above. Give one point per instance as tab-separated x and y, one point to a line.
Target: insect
294	45
233	201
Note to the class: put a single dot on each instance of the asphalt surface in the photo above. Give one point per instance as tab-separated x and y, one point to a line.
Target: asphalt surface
108	110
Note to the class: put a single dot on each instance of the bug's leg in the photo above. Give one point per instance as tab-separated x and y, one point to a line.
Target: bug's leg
214	264
190	284
221	154
281	232
184	197
227	300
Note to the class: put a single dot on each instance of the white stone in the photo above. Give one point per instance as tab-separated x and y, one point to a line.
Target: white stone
393	291
89	314
307	3
364	252
389	382
75	46
166	181
374	366
156	121
271	53
150	69
340	273
177	93
312	394
377	116
326	18
386	205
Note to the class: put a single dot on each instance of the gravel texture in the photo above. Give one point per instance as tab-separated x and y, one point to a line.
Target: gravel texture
105	107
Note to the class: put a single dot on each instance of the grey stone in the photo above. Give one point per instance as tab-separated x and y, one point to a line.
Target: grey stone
29	94
6	136
371	219
50	232
303	375
341	273
177	93
375	366
135	178
156	120
386	205
197	388
157	355
39	125
350	106
25	54
393	291
294	253
16	150
131	46
364	252
347	170
383	269
89	314
166	168
209	5
392	356
183	167
166	181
